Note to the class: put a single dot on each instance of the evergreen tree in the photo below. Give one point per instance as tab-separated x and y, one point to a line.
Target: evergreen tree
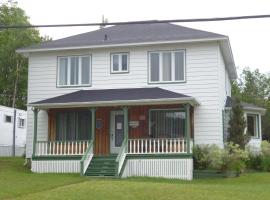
237	125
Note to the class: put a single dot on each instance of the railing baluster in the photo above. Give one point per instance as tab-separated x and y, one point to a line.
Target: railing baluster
72	147
130	147
162	145
146	149
150	146
158	145
166	146
138	146
154	145
134	146
141	145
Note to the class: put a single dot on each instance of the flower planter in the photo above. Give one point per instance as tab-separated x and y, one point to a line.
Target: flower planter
214	174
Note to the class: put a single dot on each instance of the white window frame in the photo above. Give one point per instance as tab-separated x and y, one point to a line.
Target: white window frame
160	52
79	71
257	124
120	63
20	120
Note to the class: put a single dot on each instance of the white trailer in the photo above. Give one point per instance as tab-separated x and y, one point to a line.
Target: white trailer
6	131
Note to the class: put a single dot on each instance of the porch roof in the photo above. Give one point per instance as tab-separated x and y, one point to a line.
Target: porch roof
246	106
115	97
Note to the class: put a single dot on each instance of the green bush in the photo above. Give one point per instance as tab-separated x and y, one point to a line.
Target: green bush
229	158
265	147
255	161
233	158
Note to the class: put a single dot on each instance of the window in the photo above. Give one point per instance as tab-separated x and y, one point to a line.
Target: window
167	66
71	126
253	125
167	123
119	62
8	119
74	71
21	123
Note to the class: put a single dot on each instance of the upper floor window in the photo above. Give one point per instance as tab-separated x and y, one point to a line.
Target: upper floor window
74	71
167	66
119	62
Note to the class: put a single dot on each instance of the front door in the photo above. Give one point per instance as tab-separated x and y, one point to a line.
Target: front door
116	131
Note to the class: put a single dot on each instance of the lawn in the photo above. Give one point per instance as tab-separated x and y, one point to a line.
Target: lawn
16	182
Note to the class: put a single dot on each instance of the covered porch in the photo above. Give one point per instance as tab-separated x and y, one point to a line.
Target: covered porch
146	124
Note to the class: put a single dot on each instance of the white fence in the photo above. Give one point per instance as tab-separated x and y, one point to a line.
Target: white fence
157	145
61	148
166	168
55	166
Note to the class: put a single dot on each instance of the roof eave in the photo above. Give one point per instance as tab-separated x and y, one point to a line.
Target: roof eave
253	109
27	51
182	100
228	57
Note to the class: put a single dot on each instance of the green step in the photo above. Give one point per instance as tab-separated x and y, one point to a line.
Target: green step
102	166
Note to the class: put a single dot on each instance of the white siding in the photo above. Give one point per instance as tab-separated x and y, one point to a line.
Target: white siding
6	132
202	78
166	168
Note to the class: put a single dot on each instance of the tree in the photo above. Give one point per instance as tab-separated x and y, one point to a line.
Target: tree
254	87
237	125
13	66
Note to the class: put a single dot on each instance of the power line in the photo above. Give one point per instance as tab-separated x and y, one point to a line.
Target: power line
139	22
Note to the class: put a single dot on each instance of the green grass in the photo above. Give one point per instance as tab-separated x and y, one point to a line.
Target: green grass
16	182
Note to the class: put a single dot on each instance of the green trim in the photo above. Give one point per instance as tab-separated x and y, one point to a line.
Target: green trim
56	157
35	130
158	156
93	121
188	127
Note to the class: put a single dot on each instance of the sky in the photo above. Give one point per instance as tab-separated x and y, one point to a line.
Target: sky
250	39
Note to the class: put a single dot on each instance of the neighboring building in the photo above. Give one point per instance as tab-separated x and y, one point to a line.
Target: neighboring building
252	114
6	131
130	99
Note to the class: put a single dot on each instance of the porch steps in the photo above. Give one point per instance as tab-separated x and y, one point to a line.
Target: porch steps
102	166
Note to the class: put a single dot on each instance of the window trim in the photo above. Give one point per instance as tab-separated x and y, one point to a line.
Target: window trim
161	109
160	61
111	63
258	134
20	126
79	80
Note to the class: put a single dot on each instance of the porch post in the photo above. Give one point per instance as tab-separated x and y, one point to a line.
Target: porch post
188	127
125	109
35	110
93	119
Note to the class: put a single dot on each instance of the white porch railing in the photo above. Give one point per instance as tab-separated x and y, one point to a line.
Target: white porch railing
121	156
157	146
86	159
61	148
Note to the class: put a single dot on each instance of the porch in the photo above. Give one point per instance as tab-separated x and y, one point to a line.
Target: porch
126	131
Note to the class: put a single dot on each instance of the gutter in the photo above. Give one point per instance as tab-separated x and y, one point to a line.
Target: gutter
191	100
119	45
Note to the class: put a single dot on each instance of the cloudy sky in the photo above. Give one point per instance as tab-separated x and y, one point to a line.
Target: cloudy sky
250	39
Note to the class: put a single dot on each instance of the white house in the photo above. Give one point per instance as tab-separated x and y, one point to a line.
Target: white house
127	100
6	131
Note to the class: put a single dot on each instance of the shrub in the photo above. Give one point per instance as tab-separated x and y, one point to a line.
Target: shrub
201	155
231	158
255	161
265	146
